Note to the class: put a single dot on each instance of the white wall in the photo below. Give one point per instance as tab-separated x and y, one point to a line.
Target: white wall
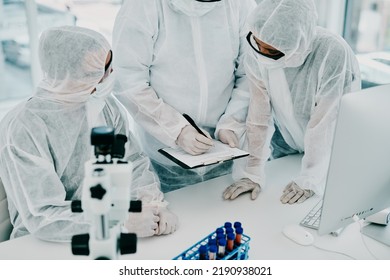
331	14
32	24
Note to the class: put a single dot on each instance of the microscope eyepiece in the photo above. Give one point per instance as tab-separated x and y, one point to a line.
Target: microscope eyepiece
105	141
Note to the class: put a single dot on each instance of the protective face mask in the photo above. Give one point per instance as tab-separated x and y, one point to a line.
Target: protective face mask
193	8
96	101
269	63
105	88
297	60
274	57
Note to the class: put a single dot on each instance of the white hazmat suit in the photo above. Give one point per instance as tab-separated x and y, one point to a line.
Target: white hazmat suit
45	140
182	56
299	92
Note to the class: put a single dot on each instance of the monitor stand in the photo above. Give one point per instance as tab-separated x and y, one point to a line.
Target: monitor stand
378	232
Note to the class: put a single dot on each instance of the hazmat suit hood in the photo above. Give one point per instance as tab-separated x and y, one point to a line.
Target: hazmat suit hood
287	25
72	65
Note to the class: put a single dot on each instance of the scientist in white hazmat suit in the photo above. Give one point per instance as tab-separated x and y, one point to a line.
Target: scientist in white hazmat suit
45	142
297	74
183	56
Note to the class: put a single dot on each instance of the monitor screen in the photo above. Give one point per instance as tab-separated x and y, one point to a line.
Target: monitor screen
358	180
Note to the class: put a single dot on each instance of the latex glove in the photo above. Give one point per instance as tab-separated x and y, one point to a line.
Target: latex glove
143	223
228	136
242	186
168	222
194	143
294	194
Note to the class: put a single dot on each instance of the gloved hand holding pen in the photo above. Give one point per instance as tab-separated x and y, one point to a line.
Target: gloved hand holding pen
294	194
194	140
194	143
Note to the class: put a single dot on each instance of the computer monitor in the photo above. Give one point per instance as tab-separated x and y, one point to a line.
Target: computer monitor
358	179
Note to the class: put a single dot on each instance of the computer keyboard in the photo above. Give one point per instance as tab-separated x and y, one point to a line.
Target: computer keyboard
312	219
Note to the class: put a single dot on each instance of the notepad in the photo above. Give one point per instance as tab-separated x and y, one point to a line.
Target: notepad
220	152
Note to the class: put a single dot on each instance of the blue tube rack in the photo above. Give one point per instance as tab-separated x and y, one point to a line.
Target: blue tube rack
239	252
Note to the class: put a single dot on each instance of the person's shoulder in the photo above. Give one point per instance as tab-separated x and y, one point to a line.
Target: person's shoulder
138	2
330	46
133	4
329	42
137	7
16	121
12	115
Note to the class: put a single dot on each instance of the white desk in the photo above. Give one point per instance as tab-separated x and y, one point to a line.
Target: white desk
201	210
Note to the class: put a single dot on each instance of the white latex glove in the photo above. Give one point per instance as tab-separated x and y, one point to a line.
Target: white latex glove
194	143
294	194
143	223
228	136
242	186
168	222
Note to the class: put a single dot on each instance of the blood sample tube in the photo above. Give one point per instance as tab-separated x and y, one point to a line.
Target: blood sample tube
212	252
229	230
239	232
228	225
219	230
220	236
212	241
221	247
236	225
230	242
203	252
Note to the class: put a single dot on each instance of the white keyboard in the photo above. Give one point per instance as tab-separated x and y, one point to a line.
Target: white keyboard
312	219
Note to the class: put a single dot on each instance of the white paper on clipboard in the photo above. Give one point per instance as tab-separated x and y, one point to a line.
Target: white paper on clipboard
218	153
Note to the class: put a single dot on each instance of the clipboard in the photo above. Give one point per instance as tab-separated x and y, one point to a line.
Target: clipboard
220	152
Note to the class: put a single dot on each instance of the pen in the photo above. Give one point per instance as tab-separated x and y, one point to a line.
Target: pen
191	121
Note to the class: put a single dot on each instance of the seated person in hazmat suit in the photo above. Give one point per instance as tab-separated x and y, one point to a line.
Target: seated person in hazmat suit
297	74
45	142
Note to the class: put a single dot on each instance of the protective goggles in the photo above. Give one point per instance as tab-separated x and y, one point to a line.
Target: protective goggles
107	66
252	42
